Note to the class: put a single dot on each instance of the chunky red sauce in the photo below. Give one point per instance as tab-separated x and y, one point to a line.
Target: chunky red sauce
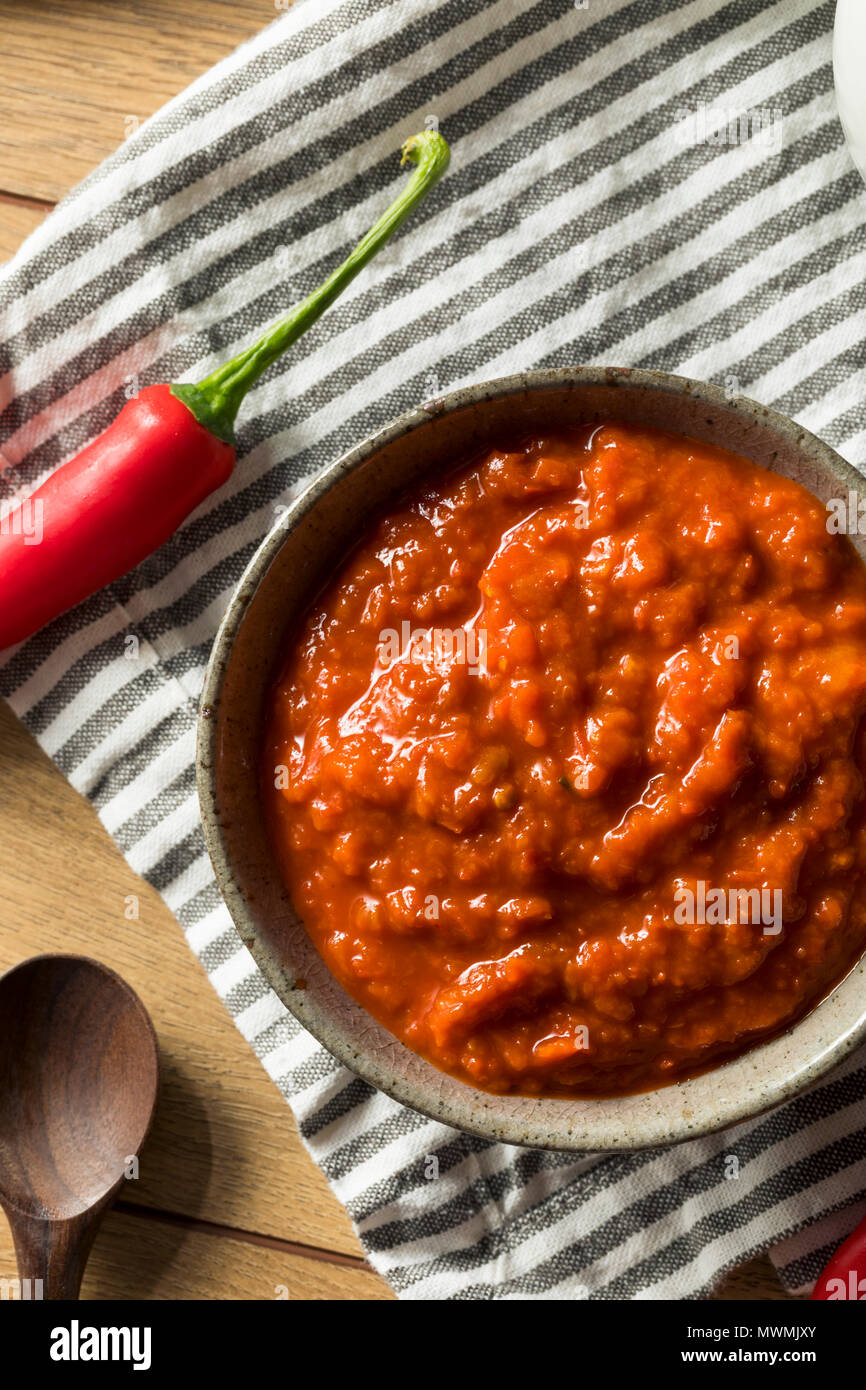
564	770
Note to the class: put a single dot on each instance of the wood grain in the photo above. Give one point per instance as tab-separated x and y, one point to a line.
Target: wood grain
137	1257
756	1280
75	72
18	218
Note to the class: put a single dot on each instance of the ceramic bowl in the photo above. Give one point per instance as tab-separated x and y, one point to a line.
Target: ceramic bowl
295	559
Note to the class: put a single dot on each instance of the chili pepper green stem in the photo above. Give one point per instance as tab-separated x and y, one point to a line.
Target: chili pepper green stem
215	401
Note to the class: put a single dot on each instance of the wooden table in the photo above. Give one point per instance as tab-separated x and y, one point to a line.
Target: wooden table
228	1204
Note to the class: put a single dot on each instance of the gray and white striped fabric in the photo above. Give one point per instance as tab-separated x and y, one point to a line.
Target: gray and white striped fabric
588	217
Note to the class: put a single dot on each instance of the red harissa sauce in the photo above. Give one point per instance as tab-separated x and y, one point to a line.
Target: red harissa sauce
505	844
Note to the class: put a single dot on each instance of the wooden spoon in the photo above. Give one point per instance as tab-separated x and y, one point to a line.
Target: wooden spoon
79	1072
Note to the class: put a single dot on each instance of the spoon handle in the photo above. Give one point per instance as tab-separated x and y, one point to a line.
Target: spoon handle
53	1251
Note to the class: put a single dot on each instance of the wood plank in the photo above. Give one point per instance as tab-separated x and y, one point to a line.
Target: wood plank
224	1146
139	1257
755	1281
18	218
75	72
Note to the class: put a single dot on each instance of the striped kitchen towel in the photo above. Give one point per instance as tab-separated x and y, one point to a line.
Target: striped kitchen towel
593	213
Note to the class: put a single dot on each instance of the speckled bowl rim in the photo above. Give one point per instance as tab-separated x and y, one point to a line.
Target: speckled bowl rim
478	1116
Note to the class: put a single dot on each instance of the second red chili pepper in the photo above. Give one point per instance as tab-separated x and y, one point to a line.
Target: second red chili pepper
844	1278
102	513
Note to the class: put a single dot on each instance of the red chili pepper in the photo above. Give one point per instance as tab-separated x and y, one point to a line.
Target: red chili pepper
845	1275
103	512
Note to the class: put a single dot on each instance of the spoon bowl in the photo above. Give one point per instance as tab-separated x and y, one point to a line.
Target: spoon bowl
79	1075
